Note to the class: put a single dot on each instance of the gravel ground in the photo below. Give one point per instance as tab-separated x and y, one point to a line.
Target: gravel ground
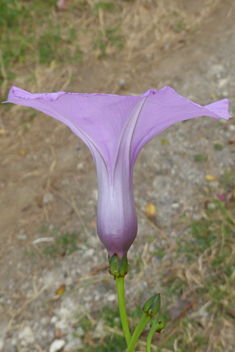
166	174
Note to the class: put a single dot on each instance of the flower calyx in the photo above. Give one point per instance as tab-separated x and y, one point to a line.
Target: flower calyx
157	325
152	305
118	267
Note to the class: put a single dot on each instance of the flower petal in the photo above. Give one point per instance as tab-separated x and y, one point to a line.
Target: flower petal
98	119
164	108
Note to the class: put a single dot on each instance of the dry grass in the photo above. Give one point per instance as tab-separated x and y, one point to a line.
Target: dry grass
41	46
197	274
196	270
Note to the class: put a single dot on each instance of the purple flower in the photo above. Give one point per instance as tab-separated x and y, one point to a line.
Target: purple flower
115	128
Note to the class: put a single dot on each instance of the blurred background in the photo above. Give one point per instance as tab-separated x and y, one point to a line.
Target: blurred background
55	292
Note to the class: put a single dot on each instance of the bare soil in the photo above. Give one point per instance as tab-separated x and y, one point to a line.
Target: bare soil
48	180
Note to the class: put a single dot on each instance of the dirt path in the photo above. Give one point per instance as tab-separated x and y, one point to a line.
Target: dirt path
48	184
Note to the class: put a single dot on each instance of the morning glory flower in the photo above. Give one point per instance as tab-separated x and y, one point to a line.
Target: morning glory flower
115	128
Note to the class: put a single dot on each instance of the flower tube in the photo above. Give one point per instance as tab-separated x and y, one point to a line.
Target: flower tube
115	128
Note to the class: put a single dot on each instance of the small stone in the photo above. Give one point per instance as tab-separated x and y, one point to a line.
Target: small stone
213	184
80	166
80	332
216	69
87	298
44	334
47	198
197	217
99	330
65	182
21	236
14	341
123	84
90	252
44	321
111	297
57	345
222	82
95	194
116	320
211	206
152	248
223	121
1	343
58	333
68	281
74	345
54	320
97	296
26	336
175	205
62	325
224	93
231	127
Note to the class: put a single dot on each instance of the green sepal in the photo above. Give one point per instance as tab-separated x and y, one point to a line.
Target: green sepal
157	325
118	266
123	267
114	265
152	305
155	305
148	304
109	258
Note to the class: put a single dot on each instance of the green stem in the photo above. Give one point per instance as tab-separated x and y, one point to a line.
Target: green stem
140	327
122	308
157	326
149	340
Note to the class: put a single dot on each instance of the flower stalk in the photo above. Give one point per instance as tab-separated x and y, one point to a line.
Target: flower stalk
150	309
157	326
122	308
118	267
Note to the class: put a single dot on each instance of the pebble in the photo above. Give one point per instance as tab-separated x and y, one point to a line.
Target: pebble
68	281
74	345
222	82
54	319
44	334
223	121
116	320
65	182
231	127
213	184
90	252
123	84
57	345
62	325
1	343
111	297
224	93
80	166
216	69
197	217
152	248
47	198
97	296
99	330
44	320
21	236
175	205
211	206
95	194
80	332
26	336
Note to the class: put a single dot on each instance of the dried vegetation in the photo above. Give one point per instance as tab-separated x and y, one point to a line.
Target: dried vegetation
40	50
